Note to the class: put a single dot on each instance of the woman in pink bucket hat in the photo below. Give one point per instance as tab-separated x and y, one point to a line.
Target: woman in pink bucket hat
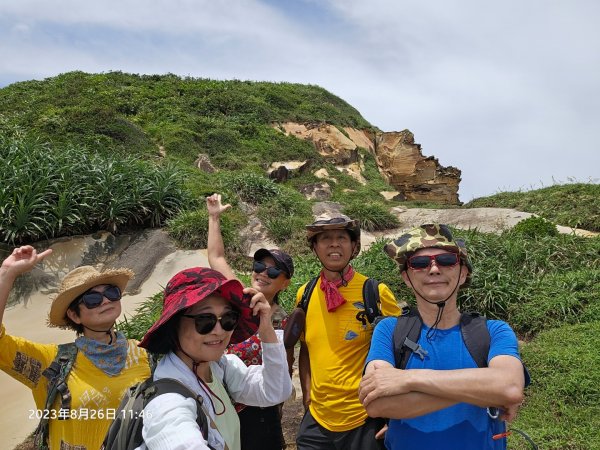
87	377
203	312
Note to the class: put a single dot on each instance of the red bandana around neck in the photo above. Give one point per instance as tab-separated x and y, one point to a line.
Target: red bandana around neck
332	295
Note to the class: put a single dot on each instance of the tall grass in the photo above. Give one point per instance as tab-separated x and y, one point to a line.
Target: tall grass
48	191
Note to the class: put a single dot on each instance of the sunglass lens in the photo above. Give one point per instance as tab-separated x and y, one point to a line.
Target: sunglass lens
92	299
113	293
258	267
229	320
273	272
446	259
419	262
205	323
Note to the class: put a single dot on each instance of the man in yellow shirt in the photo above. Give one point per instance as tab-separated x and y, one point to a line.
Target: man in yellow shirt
335	343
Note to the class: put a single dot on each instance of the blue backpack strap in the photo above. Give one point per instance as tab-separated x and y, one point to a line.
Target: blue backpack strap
57	373
476	337
406	337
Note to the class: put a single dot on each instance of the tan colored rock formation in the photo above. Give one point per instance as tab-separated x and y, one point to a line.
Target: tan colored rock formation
417	177
400	160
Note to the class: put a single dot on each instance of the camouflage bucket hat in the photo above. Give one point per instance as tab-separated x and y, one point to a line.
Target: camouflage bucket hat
191	286
431	235
327	222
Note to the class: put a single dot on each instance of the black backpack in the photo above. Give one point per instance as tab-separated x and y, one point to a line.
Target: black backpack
297	319
125	432
408	329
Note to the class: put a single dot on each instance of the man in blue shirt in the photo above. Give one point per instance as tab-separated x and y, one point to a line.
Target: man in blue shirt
442	400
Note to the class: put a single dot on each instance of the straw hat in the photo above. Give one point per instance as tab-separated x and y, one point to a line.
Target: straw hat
78	281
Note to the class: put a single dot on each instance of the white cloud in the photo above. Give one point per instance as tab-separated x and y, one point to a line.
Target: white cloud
505	91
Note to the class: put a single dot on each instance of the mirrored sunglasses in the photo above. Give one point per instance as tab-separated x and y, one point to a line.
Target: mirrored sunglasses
206	322
93	299
420	262
260	267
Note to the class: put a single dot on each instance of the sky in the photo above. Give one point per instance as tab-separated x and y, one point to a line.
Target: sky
508	92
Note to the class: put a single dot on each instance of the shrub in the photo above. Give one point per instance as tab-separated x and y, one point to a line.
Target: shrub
251	187
535	226
372	216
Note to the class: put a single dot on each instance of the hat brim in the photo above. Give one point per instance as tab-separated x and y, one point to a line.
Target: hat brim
230	290
58	310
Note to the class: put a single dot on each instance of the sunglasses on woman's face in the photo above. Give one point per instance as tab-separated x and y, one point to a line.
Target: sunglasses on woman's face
93	299
206	322
260	267
420	262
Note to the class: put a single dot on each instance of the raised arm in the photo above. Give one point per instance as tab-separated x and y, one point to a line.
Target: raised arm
21	260
216	248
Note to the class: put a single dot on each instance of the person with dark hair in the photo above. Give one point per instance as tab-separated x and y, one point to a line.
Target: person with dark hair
440	388
92	375
203	312
272	270
335	342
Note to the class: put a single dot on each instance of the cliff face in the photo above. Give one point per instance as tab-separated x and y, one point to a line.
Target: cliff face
415	176
399	159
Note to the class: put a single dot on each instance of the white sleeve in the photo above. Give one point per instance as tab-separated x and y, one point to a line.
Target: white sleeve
170	424
265	385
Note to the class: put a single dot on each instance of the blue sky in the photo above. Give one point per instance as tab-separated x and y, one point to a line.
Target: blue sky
508	91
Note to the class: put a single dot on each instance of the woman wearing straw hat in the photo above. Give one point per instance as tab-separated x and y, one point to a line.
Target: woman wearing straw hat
272	271
104	362
202	313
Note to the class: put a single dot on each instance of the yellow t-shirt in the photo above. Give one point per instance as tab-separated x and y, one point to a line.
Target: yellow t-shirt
338	344
95	396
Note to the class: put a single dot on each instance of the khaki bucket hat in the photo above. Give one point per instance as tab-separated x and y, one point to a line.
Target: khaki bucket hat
78	281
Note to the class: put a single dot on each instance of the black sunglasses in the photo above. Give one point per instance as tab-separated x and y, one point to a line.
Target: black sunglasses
205	322
420	262
93	299
260	267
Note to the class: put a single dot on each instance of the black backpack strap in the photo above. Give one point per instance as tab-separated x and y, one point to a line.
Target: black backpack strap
406	337
476	336
57	373
372	301
170	385
308	290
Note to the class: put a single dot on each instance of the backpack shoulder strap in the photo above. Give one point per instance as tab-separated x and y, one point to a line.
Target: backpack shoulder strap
406	337
476	337
170	385
57	373
308	290
371	300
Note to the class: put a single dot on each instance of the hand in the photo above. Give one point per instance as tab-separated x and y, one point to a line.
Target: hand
381	433
22	260
383	381
509	413
260	306
214	206
306	401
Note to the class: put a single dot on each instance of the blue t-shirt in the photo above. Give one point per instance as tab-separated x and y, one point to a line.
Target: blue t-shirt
459	427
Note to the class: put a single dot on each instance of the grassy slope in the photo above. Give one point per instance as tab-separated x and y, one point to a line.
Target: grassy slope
576	205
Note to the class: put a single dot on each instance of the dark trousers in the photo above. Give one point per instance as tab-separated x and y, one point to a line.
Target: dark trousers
312	436
260	428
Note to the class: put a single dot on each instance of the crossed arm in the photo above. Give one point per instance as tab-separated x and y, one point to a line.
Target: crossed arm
398	394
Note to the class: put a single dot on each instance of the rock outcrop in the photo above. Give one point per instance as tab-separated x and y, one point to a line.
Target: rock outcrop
415	176
399	159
